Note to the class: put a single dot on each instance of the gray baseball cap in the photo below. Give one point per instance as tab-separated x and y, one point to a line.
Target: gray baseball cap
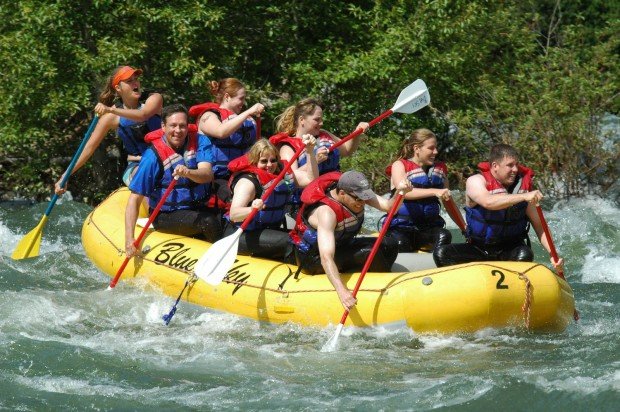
356	183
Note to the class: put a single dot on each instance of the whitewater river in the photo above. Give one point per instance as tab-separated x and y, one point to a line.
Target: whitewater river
68	344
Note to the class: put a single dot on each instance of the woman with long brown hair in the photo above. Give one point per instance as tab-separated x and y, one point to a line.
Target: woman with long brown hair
418	224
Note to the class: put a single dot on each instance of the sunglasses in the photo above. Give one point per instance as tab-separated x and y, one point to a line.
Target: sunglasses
266	161
357	199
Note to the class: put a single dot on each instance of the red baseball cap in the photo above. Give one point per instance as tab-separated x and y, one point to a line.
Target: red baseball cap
125	73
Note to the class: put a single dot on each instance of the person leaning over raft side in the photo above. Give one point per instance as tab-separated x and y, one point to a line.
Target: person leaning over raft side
500	205
328	221
306	117
231	130
174	152
131	118
418	225
252	174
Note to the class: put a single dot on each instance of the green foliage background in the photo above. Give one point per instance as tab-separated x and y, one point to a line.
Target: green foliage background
536	74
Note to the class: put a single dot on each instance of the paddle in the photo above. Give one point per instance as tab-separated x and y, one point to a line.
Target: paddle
29	246
258	127
410	100
552	251
453	211
137	242
331	344
215	263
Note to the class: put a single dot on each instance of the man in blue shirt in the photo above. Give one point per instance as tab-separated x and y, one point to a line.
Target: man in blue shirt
175	152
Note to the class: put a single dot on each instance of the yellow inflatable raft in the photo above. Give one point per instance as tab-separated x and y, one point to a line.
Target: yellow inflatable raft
462	298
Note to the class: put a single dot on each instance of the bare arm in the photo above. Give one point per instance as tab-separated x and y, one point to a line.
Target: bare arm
477	193
211	126
299	173
151	107
378	202
131	216
326	224
307	174
244	193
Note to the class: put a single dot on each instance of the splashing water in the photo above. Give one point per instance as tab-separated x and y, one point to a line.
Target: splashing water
67	343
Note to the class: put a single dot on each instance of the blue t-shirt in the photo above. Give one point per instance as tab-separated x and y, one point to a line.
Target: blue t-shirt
145	179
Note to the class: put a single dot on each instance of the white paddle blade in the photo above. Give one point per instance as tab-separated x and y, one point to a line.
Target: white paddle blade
332	343
142	221
213	266
412	98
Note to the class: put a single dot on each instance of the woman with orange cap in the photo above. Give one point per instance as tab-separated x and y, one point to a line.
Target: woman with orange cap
121	108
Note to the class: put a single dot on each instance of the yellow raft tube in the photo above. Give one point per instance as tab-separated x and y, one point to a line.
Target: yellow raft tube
463	298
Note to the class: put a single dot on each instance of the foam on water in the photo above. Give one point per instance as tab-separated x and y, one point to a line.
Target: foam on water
8	240
600	269
590	228
586	385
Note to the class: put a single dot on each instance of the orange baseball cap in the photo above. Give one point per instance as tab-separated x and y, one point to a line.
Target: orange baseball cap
125	73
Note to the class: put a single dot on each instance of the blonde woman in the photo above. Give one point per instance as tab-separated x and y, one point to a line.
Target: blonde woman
306	117
252	174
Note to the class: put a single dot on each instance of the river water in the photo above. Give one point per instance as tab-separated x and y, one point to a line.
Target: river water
68	344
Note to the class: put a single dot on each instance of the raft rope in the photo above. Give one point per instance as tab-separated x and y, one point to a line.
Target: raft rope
525	308
527	304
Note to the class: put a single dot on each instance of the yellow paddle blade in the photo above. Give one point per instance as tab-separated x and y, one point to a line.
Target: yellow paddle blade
29	246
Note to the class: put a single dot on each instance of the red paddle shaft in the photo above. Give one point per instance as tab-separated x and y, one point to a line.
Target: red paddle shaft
553	252
137	242
358	132
373	252
454	211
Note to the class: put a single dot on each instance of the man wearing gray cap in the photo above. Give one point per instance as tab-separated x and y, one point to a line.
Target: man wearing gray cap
325	230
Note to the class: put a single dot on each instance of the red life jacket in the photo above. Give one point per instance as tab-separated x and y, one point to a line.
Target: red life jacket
525	174
316	193
243	165
186	194
284	138
198	110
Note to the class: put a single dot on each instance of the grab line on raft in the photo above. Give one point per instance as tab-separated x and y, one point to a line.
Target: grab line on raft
525	308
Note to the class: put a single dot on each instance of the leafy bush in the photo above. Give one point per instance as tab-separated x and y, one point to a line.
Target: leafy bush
538	75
